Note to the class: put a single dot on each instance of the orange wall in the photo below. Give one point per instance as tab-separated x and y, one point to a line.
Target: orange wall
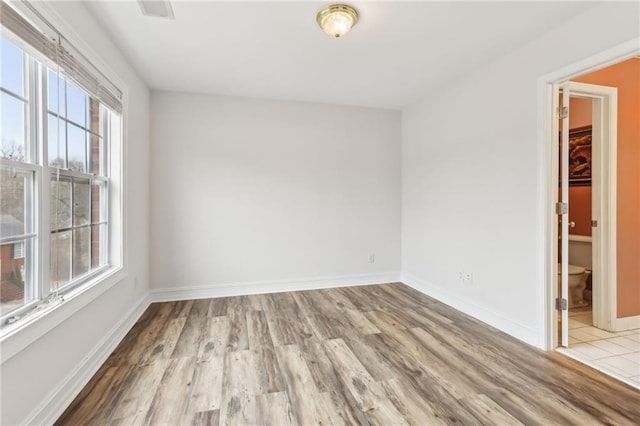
580	209
581	114
626	77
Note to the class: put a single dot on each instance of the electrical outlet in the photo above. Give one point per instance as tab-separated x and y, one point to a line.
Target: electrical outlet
465	277
372	258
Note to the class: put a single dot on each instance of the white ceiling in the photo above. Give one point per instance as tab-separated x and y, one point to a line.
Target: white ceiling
396	54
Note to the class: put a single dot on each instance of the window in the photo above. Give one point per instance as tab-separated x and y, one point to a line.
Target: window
57	129
75	148
18	250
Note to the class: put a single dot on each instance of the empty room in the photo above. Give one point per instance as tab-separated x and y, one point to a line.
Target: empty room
305	212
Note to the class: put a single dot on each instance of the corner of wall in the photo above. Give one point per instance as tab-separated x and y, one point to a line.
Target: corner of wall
489	317
50	408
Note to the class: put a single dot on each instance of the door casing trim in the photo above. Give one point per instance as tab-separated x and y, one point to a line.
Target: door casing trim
547	168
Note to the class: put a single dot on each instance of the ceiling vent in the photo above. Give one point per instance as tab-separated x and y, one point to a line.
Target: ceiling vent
156	8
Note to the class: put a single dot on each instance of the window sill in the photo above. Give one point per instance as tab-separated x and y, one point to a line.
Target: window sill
17	336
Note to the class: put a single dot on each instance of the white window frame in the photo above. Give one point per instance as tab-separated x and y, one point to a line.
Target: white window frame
37	322
54	173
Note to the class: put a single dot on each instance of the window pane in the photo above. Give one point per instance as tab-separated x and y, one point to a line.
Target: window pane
60	208
12	277
98	235
56	93
81	248
12	70
60	259
96	154
12	203
76	104
57	142
81	201
76	148
95	118
12	127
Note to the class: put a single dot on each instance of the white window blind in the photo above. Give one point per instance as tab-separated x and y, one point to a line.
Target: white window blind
38	33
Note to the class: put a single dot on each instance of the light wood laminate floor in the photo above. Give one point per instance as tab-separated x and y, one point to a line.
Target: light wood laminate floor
382	354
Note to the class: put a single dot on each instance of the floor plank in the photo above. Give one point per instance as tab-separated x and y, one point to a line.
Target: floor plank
169	406
368	394
301	390
414	409
138	392
206	393
274	409
488	411
206	418
379	354
239	389
215	337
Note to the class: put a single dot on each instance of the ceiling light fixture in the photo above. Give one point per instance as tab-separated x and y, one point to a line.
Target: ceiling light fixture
337	19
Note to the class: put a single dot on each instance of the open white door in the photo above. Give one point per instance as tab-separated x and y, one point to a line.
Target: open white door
562	209
603	210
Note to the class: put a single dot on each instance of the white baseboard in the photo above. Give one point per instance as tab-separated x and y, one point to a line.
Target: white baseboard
513	328
48	411
625	323
262	287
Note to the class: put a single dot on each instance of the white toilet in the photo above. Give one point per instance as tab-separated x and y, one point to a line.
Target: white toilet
577	283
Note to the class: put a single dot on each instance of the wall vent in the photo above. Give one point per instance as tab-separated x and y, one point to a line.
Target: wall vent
156	8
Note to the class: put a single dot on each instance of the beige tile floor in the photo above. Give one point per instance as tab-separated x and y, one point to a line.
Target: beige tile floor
616	354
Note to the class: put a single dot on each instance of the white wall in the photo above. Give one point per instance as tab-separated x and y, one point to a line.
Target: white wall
248	190
37	380
472	177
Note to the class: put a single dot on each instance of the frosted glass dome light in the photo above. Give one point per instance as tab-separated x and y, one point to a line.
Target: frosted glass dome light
337	19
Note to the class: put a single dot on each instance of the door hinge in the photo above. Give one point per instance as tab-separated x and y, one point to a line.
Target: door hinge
594	223
561	304
562	208
563	112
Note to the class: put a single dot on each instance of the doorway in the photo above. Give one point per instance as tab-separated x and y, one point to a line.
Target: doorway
601	338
